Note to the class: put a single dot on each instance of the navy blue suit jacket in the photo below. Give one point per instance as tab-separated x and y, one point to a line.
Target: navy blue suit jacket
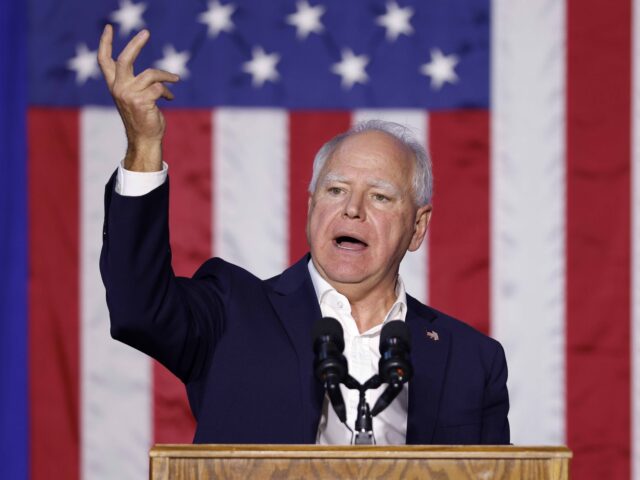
243	347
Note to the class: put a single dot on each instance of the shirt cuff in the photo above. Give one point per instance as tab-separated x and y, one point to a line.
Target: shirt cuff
136	184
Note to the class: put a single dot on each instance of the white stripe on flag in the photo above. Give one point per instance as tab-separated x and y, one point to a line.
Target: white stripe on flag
250	185
115	379
528	212
635	243
413	268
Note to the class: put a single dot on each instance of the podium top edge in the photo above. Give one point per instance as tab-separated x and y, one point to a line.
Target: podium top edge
351	451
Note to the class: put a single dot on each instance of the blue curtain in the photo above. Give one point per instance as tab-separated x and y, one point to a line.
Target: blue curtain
14	461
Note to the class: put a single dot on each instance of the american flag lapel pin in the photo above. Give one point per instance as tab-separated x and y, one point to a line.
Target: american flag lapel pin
433	335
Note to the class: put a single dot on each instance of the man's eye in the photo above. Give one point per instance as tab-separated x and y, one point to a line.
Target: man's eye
334	190
380	197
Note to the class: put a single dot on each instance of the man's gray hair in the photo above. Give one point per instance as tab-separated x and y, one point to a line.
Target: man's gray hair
422	177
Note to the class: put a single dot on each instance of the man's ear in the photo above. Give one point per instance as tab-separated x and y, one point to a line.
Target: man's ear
306	228
423	216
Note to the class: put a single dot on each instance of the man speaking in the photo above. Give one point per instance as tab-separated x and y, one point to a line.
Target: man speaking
242	345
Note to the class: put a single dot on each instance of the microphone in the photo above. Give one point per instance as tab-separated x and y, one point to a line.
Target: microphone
330	366
394	366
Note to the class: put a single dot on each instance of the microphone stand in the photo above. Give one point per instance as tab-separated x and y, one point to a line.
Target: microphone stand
363	434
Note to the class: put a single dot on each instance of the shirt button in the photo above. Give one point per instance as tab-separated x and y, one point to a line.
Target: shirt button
340	304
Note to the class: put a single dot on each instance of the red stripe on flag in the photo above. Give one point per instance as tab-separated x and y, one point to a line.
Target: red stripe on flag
53	293
187	149
459	234
598	237
308	131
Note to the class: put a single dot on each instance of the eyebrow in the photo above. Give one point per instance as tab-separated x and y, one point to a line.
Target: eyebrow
382	184
333	177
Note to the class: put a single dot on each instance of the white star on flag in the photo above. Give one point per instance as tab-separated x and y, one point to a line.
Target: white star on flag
440	69
218	18
351	68
396	21
85	64
174	61
262	66
306	19
129	16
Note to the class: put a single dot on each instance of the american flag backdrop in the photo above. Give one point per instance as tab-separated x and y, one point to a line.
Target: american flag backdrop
529	108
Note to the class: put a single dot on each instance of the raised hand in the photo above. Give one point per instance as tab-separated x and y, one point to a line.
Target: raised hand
135	97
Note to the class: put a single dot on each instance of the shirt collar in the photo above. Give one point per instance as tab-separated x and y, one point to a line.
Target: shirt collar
398	310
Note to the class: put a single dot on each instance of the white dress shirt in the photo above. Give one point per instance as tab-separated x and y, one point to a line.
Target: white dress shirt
136	184
362	353
361	349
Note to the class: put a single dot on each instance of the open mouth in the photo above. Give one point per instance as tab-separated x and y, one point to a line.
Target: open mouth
350	243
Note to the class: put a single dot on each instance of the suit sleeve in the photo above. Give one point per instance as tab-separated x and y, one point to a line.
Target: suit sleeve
495	405
174	320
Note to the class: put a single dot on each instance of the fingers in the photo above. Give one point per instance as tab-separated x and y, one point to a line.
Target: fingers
157	91
150	84
105	60
166	93
124	64
127	89
152	75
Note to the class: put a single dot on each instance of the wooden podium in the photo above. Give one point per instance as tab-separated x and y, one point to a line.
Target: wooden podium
204	462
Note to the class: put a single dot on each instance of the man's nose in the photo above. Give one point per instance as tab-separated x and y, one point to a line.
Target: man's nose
354	207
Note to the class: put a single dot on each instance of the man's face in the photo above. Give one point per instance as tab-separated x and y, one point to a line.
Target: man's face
363	216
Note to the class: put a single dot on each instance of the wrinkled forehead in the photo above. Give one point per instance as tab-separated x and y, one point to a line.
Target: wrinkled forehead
374	157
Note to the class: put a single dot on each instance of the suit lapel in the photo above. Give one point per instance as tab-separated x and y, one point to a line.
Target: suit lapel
296	305
429	355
